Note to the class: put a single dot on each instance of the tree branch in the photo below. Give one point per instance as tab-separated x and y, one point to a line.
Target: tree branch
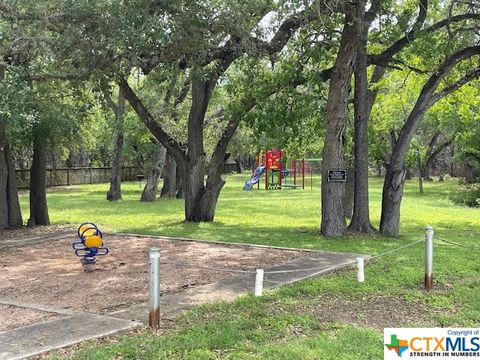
433	82
471	154
247	105
108	98
183	93
285	32
60	76
372	11
172	145
428	97
237	46
400	44
458	84
433	142
384	57
409	67
42	17
439	149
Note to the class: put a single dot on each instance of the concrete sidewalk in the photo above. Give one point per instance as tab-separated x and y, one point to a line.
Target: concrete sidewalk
54	334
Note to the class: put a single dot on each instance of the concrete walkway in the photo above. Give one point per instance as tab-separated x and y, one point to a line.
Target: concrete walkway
74	327
54	334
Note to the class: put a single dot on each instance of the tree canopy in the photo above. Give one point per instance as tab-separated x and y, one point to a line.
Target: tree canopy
393	80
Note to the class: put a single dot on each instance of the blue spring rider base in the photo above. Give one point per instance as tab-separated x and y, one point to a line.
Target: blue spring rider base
90	244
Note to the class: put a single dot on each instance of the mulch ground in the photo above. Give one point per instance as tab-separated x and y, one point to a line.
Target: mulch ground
37	231
13	317
48	273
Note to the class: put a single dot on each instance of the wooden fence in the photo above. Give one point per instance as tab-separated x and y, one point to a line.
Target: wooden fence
77	176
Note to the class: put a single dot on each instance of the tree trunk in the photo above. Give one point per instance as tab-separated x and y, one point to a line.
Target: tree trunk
420	174
432	156
215	182
169	189
153	175
10	213
200	199
238	165
379	169
408	174
115	191
38	189
333	212
195	191
452	162
391	200
349	193
362	107
200	205
425	171
469	173
179	178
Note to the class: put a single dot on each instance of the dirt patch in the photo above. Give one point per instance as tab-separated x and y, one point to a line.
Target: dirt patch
13	317
375	311
49	273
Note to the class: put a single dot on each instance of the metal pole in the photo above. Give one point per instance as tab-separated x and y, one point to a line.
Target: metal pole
311	177
294	166
154	300
259	282
258	164
360	270
266	171
303	174
429	258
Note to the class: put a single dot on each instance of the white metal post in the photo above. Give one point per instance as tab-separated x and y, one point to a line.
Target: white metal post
429	258
154	299
259	282
360	269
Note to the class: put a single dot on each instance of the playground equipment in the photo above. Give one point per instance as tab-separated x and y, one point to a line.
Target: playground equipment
91	243
254	178
273	169
276	173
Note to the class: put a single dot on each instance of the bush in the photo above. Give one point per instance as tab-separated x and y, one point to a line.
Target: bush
469	195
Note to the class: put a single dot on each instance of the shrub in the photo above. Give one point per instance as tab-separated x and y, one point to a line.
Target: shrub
469	195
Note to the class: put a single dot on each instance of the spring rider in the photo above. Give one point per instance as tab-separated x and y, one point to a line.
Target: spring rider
90	244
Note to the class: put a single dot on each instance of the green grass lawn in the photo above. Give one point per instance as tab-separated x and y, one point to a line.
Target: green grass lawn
332	317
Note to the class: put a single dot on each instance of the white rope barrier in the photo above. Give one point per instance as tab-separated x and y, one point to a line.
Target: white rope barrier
473	247
260	277
317	268
396	249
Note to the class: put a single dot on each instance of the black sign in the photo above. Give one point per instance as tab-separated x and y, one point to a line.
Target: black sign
337	176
